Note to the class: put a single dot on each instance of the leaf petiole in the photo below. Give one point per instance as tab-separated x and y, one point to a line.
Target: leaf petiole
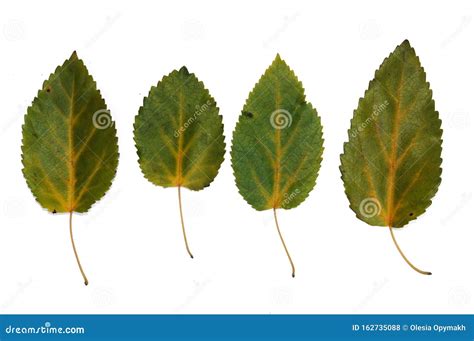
284	245
182	222
404	257
86	282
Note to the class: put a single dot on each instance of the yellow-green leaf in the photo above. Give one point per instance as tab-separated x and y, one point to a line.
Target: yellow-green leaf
277	144
69	150
179	135
391	165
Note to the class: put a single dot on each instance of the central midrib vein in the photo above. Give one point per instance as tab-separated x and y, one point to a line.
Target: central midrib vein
72	175
179	157
393	154
276	188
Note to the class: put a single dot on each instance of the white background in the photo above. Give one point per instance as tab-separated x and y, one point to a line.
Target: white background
130	242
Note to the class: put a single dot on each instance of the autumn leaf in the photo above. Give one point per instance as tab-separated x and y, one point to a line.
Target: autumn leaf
179	135
277	144
69	150
391	166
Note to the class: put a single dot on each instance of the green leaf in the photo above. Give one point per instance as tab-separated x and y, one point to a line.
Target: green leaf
277	144
179	135
69	150
391	166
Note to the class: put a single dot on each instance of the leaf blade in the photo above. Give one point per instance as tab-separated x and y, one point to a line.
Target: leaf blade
179	133
277	143
396	132
69	161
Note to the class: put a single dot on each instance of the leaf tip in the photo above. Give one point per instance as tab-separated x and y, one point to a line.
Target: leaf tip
278	59
405	46
405	43
278	62
405	51
184	70
74	55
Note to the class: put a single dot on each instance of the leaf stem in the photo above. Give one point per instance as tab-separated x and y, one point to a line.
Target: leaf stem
284	245
404	257
182	222
86	282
